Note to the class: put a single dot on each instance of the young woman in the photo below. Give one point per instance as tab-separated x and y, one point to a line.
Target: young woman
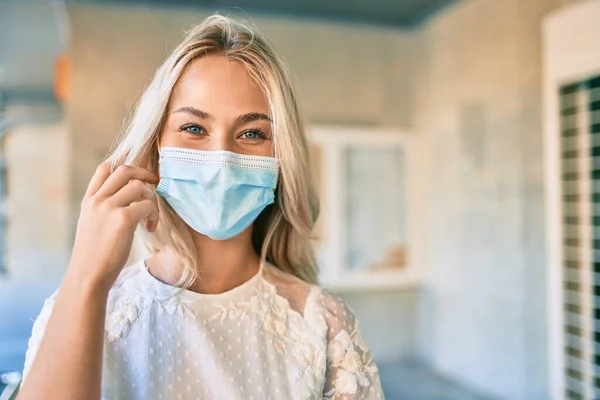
214	165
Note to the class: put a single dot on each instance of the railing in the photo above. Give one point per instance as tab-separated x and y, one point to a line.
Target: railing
12	380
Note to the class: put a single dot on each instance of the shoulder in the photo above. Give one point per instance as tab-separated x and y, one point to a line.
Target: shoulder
124	287
127	300
332	304
317	304
127	276
130	273
335	312
293	289
41	321
130	283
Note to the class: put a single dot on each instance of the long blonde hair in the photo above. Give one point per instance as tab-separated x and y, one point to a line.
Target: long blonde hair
282	233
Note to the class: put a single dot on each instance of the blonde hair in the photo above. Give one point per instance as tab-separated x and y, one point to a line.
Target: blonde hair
282	232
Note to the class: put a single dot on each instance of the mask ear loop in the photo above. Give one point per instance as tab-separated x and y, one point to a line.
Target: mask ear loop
160	153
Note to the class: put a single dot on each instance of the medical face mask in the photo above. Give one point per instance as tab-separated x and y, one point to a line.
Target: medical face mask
217	193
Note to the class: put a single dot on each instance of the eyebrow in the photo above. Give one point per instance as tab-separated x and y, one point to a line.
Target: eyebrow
193	111
252	117
241	119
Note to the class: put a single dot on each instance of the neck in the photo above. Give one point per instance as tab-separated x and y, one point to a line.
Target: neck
223	264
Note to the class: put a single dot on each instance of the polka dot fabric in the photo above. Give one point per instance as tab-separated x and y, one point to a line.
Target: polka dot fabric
273	337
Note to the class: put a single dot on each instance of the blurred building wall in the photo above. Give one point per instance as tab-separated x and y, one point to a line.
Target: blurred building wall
34	141
39	240
479	109
344	74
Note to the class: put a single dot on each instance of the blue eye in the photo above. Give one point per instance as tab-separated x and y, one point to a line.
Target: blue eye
253	134
193	129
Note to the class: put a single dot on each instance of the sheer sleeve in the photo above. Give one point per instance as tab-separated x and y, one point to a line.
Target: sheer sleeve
351	371
37	333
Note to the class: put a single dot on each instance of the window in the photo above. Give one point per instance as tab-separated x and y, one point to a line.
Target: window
366	179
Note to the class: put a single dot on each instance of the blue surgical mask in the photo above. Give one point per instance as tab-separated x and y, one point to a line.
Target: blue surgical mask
217	193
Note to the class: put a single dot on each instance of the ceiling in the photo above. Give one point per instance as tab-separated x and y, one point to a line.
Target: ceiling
399	13
34	32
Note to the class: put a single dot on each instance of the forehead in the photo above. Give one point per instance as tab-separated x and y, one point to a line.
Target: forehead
218	85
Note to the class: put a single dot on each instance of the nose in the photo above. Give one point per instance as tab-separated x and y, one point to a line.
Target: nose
221	140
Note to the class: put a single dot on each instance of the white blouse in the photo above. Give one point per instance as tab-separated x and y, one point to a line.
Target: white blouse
273	337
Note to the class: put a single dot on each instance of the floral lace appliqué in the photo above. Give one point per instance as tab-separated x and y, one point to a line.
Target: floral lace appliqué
270	310
129	308
232	311
174	305
123	315
274	313
310	358
348	355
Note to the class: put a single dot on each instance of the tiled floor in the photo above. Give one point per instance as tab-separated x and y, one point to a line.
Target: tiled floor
412	381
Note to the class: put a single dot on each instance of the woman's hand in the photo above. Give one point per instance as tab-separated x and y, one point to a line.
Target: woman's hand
112	207
114	204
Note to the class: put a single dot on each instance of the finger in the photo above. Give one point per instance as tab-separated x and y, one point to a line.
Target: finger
102	173
134	191
122	175
144	209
